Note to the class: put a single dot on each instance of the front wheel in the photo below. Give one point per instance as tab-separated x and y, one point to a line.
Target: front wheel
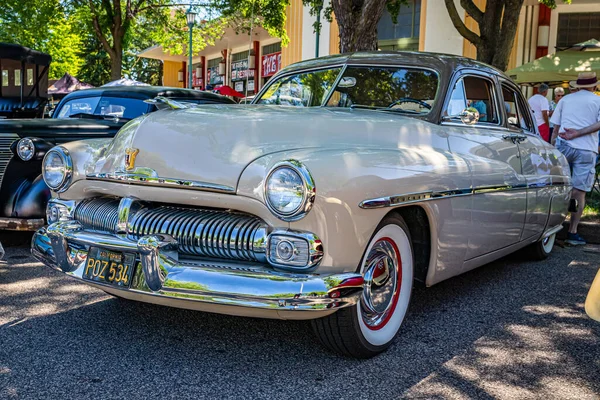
369	327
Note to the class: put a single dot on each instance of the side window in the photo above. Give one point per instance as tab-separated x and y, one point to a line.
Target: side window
481	97
525	117
510	104
473	92
458	100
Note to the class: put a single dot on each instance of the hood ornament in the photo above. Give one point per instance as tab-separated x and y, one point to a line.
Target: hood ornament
130	154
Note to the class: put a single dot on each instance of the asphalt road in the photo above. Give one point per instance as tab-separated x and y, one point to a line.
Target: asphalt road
511	329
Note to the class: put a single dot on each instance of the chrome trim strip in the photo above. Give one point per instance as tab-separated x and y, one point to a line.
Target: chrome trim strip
552	231
64	247
139	179
409	198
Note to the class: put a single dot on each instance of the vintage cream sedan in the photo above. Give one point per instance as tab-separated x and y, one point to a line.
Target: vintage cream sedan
389	169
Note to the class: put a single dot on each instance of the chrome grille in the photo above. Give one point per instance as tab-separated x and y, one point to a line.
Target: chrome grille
6	139
201	232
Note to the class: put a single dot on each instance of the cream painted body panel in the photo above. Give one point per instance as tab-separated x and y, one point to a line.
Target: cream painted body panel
353	155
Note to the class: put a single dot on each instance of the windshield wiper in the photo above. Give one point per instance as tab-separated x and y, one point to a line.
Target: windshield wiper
400	110
98	117
365	107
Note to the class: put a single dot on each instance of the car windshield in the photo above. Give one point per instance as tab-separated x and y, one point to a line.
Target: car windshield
118	107
403	89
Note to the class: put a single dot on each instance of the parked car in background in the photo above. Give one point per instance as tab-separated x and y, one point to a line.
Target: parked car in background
23	81
84	114
327	213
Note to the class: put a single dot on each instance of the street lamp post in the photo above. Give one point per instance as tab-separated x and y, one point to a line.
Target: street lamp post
191	17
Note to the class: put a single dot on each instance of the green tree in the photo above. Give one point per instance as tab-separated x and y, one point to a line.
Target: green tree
497	27
43	25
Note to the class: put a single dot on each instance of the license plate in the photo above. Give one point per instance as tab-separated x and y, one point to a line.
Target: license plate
109	267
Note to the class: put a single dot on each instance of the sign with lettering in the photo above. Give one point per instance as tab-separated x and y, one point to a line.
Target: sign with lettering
239	70
213	77
271	63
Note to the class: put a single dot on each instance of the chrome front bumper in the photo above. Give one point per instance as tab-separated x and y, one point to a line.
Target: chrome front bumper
161	277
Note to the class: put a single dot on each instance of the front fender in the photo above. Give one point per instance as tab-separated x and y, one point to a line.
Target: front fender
344	178
29	200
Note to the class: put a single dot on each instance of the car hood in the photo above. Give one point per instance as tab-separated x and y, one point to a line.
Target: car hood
214	144
71	127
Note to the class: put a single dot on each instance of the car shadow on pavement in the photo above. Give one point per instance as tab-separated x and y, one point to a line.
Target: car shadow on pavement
507	330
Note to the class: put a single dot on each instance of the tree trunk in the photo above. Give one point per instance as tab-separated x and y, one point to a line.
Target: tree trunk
357	21
116	64
497	28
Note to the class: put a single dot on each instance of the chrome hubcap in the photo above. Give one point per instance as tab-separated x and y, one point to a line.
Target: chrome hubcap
382	284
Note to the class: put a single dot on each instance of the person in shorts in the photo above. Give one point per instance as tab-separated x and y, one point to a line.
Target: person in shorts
575	112
540	106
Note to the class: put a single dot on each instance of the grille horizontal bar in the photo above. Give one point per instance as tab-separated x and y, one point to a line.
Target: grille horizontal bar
6	140
200	232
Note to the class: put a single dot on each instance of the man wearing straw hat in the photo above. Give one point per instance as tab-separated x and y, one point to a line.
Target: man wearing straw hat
577	111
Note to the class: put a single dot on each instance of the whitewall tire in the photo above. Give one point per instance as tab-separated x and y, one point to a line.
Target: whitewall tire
369	327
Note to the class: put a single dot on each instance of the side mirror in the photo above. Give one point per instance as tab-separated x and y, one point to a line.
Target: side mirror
468	116
347	82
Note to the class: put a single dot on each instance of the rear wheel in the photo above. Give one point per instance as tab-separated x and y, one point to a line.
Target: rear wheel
369	327
541	249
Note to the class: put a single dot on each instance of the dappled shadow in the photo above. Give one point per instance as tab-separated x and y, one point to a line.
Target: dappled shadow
509	329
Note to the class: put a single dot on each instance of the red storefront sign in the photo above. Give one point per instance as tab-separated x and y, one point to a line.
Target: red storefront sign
271	63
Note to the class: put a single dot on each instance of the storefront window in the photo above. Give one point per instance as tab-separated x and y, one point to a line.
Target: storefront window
242	76
404	34
212	72
575	28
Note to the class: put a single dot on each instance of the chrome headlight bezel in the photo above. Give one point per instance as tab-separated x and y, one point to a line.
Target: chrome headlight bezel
64	155
308	191
22	146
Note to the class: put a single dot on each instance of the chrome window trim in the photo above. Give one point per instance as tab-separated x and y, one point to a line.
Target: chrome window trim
309	190
363	65
417	197
142	179
343	67
461	74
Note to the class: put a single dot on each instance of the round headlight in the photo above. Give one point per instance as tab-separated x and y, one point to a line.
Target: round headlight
289	190
57	169
25	149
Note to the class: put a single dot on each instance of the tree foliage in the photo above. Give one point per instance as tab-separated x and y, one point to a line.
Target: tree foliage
43	25
497	27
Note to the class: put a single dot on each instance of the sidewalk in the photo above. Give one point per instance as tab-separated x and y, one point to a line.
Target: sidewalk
589	230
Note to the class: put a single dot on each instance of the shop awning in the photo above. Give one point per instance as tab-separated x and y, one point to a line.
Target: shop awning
557	68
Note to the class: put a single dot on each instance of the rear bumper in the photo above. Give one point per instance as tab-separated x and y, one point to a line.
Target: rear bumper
21	224
234	288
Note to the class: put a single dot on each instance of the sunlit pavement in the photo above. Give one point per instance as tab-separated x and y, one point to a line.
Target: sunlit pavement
511	329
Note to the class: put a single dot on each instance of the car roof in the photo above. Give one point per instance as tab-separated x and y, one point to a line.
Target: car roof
149	92
442	62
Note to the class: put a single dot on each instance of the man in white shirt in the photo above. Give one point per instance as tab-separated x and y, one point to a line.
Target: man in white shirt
541	108
578	111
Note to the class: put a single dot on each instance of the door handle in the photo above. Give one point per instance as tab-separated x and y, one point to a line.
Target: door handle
514	137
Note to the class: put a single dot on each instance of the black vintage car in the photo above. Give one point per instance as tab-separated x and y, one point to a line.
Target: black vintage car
85	114
23	81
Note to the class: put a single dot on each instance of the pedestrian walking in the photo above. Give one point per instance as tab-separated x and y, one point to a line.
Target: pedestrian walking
541	111
578	111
